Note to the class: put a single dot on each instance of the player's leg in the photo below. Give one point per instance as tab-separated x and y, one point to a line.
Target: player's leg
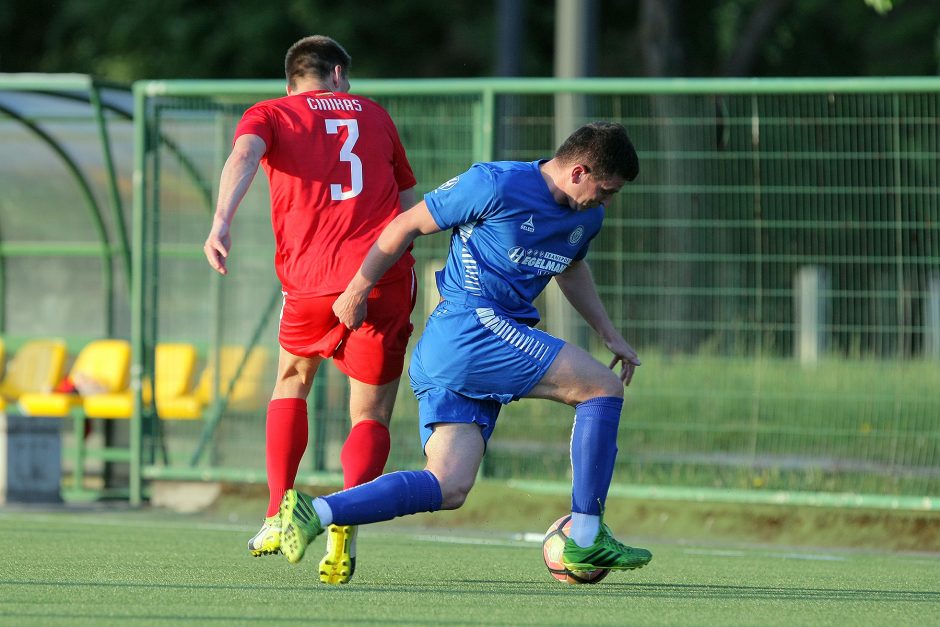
511	360
576	378
454	430
373	356
308	332
287	425
285	441
363	458
454	454
367	446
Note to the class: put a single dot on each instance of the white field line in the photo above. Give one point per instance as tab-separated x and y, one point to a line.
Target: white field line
140	524
515	540
83	519
820	557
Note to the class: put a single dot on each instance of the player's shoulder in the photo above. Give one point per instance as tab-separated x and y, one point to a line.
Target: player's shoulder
507	168
367	102
486	175
491	175
483	173
511	174
274	108
364	103
502	170
261	105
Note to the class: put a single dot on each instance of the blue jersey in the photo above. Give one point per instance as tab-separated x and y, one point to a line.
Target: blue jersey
510	236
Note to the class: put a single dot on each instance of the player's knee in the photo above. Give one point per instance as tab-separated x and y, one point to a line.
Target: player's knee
382	417
454	500
454	492
610	385
295	379
604	383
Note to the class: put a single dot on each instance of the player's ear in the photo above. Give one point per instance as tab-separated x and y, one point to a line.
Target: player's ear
578	171
337	76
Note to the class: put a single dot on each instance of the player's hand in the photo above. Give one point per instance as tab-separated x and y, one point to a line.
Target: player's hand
351	308
216	248
626	356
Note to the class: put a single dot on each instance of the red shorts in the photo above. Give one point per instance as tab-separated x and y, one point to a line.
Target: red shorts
375	352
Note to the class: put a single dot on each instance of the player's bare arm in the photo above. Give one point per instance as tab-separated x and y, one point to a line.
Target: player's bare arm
406	198
350	307
577	284
237	174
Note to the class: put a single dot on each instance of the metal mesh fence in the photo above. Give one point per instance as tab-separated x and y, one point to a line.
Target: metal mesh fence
65	139
776	264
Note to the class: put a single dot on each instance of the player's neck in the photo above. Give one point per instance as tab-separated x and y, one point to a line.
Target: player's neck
553	176
306	86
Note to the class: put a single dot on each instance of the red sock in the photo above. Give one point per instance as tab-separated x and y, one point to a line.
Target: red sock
285	443
365	452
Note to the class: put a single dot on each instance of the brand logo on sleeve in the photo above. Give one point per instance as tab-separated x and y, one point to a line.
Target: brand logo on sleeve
449	184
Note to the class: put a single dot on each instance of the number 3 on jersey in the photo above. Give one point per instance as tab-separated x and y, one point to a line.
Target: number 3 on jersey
346	154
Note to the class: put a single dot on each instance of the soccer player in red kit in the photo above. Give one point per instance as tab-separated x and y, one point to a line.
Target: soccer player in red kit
338	175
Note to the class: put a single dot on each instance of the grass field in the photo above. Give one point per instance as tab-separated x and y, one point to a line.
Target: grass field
150	567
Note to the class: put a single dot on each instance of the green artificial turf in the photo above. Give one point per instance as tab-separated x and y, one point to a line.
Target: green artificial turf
151	567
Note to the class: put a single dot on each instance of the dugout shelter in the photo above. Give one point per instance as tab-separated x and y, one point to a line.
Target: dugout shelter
65	259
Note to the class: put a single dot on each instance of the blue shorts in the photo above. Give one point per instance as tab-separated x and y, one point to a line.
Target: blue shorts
470	361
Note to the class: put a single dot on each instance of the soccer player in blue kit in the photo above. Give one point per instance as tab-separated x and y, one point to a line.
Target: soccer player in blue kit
515	226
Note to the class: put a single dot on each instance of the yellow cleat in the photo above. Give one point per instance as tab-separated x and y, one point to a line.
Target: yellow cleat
268	540
299	525
339	563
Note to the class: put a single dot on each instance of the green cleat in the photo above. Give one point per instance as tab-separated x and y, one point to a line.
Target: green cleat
299	525
268	540
606	552
339	563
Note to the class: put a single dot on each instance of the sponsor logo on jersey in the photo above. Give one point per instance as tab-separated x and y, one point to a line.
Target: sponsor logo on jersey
528	225
449	184
541	261
576	235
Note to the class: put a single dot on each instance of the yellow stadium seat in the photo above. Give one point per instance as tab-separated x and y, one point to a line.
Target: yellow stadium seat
107	364
250	390
102	367
175	364
36	367
104	362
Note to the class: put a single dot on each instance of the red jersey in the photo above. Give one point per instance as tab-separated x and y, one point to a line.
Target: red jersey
335	165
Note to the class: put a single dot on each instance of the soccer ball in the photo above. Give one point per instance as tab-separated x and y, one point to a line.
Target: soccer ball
552	547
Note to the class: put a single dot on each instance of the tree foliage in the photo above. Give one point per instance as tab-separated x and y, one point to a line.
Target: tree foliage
882	6
126	41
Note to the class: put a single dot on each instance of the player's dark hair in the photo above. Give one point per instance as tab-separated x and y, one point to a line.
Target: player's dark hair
314	57
604	147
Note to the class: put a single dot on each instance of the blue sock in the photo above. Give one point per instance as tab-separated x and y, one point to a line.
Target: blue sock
593	452
389	496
